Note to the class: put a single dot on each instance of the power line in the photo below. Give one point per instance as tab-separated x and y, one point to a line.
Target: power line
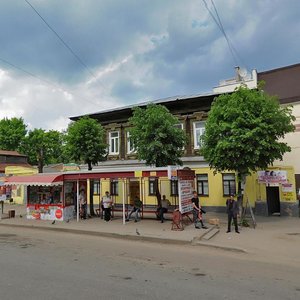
61	39
43	80
28	73
227	38
217	20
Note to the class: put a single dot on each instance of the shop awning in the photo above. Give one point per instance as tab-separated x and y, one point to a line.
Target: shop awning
37	180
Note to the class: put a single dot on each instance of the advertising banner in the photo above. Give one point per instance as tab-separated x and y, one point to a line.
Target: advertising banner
186	186
45	212
272	178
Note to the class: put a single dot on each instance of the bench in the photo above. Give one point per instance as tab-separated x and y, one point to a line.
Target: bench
146	210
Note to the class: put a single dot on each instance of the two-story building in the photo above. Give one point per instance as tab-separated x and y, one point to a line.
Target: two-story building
279	197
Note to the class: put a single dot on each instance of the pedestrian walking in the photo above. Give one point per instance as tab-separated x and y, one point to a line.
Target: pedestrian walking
197	212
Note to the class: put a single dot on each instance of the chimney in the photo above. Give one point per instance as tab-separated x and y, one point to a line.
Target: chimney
237	74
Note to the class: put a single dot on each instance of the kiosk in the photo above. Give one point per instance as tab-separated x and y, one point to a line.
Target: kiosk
45	196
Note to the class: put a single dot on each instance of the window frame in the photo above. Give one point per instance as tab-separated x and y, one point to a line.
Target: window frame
197	144
130	148
96	183
174	187
153	183
114	187
231	184
201	182
114	143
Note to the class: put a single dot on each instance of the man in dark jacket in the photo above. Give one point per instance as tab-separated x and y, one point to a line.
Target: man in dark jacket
232	211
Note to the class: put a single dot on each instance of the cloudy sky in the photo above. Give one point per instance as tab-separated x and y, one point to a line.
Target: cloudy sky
62	58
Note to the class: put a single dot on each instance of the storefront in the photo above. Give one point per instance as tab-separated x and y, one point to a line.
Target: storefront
45	195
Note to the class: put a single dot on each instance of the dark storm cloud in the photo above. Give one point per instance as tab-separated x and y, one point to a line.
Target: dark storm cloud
137	50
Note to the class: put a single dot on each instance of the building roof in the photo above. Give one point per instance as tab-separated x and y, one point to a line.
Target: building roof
11	153
176	104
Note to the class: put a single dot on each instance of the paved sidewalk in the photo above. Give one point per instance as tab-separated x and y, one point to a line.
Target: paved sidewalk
279	236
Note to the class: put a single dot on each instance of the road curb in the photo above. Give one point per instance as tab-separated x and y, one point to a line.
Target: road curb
231	249
194	242
104	234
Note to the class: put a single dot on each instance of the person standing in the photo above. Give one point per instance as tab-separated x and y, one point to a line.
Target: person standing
82	204
232	209
197	211
107	203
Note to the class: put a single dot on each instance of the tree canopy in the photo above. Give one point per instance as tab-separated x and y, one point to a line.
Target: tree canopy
85	141
155	136
43	147
12	133
244	131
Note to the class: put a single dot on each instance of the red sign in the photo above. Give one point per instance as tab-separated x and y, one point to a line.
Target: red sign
58	214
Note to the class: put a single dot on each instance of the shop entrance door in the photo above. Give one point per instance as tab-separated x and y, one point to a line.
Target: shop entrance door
273	200
134	190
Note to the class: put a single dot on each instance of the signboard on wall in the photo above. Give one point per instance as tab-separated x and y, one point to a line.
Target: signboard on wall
272	178
186	186
172	172
288	191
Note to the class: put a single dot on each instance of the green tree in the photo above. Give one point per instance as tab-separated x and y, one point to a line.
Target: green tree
156	138
43	147
244	132
12	133
85	141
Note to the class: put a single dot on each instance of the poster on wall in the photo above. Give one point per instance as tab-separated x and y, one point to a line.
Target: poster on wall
272	178
45	212
287	191
186	181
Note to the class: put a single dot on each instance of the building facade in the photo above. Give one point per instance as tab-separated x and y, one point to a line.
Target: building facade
264	196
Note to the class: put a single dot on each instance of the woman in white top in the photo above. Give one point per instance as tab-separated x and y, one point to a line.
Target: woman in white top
107	203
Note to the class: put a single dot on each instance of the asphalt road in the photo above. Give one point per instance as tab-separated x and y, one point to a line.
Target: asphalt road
47	265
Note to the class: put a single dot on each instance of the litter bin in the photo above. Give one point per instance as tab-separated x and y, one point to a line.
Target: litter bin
11	213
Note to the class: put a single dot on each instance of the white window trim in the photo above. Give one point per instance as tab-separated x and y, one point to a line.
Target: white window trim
179	124
129	144
113	140
202	129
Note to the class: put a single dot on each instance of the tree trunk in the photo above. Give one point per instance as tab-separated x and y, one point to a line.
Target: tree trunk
158	195
41	161
240	197
90	167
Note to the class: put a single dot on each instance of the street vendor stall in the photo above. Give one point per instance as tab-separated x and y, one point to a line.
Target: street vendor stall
45	196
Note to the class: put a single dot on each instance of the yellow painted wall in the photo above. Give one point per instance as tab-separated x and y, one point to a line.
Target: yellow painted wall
18	192
257	190
253	190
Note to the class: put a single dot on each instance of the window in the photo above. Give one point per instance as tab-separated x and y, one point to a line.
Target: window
199	129
174	187
96	187
130	148
179	125
114	187
228	184
114	142
153	183
202	184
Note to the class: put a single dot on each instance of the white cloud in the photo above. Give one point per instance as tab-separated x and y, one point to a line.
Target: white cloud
138	51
